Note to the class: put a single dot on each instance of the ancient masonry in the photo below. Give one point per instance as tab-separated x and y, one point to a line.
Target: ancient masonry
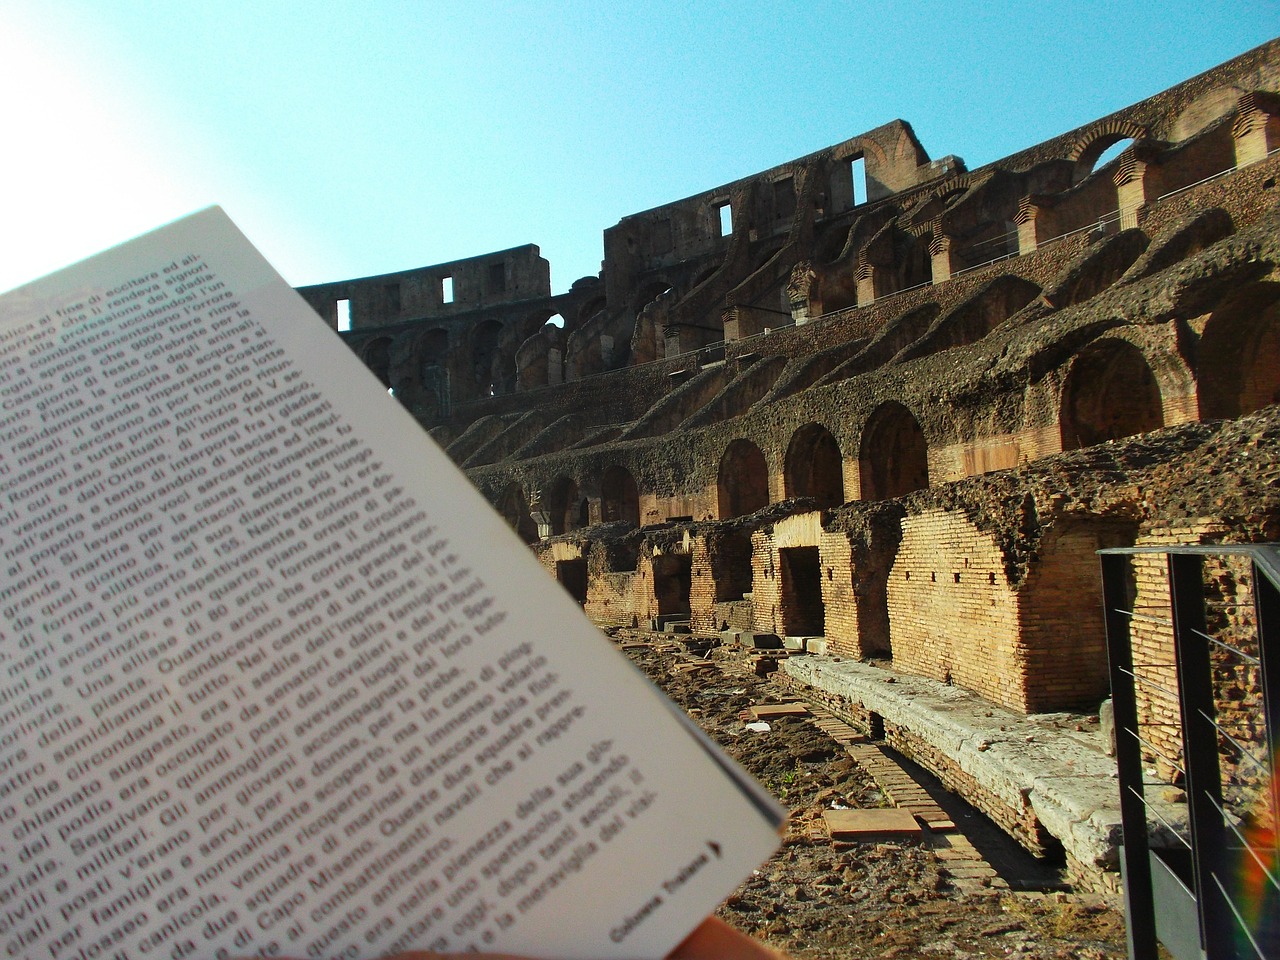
889	405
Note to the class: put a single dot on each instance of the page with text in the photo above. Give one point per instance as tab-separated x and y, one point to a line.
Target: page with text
275	679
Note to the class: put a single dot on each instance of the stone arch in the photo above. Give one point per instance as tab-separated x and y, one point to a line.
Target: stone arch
1110	392
894	456
1239	368
588	310
814	466
648	292
377	357
619	496
742	485
514	508
1095	141
433	347
540	358
562	506
1203	111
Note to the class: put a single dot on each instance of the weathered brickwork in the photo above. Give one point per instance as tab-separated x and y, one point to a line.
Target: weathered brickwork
954	615
904	424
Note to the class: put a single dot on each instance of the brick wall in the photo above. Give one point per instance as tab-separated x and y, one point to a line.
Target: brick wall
1063	634
722	573
953	615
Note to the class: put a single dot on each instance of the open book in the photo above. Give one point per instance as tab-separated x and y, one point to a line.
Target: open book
275	680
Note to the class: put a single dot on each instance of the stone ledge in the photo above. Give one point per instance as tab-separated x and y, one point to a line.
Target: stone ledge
1029	763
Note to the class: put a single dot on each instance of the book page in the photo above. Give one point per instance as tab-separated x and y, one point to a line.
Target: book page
275	680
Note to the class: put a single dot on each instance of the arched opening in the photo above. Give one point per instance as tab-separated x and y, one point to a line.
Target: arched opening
1101	146
1112	152
742	486
1239	369
377	357
647	293
486	359
814	466
515	510
562	506
1110	393
588	310
619	496
894	457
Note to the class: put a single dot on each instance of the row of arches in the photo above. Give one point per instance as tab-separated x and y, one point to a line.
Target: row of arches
892	462
1112	389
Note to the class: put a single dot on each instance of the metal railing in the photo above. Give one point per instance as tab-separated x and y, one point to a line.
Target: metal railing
1197	713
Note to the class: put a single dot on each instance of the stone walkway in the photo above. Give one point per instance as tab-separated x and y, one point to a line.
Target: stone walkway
1046	769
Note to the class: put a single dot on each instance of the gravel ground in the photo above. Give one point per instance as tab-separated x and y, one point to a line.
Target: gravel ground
816	899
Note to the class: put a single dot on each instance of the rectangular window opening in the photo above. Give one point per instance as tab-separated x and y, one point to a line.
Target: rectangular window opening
393	297
446	289
497	277
725	214
858	172
344	316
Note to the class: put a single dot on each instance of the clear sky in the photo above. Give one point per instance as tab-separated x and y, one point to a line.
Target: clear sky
357	138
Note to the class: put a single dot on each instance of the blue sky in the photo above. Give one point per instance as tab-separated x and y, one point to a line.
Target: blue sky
350	139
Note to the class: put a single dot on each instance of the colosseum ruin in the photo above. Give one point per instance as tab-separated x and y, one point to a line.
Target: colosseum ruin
871	415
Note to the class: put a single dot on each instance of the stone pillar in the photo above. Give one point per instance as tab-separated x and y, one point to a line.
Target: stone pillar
803	292
1256	129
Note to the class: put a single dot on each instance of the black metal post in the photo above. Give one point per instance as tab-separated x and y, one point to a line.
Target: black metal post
1140	903
1200	750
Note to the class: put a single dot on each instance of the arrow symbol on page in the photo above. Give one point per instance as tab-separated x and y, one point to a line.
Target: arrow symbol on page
715	848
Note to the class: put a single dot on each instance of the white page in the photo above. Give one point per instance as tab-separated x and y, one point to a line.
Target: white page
273	677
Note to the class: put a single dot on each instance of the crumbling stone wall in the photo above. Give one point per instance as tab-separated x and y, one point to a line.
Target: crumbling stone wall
777	412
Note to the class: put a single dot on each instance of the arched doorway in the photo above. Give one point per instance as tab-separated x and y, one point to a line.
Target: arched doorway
814	466
1110	393
515	510
742	486
562	506
1239	369
894	456
619	496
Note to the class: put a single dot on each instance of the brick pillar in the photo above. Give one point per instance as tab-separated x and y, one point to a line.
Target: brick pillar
1036	223
677	339
941	252
1137	181
866	275
1256	129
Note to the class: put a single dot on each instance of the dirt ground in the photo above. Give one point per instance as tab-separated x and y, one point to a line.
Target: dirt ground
818	900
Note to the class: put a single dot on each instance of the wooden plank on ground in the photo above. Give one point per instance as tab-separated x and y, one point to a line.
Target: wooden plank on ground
867	825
